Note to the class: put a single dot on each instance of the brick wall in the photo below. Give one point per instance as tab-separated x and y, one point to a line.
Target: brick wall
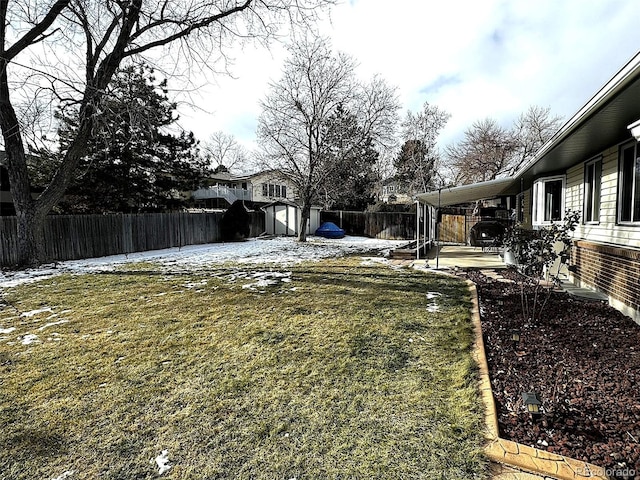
613	270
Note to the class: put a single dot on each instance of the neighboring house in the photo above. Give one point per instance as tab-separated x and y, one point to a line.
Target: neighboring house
282	217
224	188
394	191
592	165
268	186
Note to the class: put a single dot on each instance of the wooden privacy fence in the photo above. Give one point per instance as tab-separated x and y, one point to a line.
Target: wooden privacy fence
383	225
72	237
453	229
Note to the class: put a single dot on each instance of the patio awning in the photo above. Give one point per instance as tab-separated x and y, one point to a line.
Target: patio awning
470	193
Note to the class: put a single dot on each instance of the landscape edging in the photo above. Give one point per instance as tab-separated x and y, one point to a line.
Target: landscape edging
511	453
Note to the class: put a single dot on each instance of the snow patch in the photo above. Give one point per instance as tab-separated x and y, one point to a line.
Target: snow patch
29	338
52	324
281	251
66	474
195	285
433	306
266	279
372	261
33	313
4	331
162	461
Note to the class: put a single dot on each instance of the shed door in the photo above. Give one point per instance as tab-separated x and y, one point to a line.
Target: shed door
281	227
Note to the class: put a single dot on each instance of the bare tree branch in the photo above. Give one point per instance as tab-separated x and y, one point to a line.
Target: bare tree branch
32	35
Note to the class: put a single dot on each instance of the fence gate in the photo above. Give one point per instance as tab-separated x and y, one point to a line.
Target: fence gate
453	229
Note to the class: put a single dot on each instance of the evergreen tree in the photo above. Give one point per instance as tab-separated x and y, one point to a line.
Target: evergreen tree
133	164
350	178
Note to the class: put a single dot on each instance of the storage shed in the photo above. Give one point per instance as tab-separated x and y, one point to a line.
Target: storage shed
282	218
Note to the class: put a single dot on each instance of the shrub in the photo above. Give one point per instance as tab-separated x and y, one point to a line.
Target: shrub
236	223
536	251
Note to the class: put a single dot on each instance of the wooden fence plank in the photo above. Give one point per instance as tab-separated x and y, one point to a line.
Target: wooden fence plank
383	225
453	229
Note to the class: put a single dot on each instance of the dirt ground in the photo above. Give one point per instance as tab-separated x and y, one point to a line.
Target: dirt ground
582	358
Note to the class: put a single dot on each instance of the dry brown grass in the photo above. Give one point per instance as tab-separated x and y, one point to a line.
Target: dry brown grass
339	371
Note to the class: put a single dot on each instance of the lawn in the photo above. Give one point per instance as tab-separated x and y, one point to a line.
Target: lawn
341	369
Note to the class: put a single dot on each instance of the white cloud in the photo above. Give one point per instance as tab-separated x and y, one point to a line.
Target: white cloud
491	58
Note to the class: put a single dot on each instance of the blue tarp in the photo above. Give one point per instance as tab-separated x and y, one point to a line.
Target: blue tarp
330	230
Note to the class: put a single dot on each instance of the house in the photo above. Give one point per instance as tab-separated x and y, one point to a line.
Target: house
591	165
224	188
282	217
394	191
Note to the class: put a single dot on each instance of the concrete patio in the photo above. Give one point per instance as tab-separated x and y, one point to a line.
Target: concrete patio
463	257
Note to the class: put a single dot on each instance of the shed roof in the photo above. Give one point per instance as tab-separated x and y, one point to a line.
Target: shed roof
286	202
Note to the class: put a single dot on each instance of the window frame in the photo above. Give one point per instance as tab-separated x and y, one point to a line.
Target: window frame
635	186
538	201
592	192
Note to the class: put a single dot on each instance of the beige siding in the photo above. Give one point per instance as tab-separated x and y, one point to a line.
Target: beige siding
269	177
526	220
606	231
574	188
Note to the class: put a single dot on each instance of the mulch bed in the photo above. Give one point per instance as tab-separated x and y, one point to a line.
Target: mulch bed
582	358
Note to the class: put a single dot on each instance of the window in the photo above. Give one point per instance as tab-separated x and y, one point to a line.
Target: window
548	200
629	184
274	191
592	181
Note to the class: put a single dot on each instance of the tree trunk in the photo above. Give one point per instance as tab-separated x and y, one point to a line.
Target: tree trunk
31	249
304	218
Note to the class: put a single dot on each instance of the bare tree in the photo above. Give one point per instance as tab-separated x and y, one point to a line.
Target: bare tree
531	131
77	46
489	151
485	152
293	125
223	152
416	162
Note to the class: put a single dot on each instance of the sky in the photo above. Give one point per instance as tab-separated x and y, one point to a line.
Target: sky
474	59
